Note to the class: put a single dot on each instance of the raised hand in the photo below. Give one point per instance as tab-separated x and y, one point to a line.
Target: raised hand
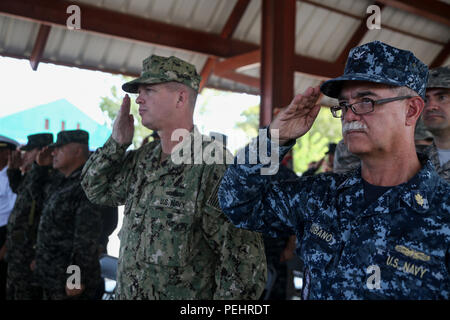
123	128
45	157
297	118
14	160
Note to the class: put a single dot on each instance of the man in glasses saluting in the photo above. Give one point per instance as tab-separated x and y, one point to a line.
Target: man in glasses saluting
379	232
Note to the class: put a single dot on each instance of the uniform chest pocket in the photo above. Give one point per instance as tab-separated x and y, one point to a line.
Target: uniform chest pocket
167	239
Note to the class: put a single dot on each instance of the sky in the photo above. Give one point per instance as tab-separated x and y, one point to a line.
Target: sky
22	88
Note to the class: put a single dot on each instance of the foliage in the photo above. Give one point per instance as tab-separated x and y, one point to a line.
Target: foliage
251	123
313	145
111	105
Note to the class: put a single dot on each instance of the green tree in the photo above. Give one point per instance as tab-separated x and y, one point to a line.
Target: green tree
251	123
313	145
110	106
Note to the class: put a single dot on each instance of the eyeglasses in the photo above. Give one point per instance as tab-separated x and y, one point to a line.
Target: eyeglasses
365	106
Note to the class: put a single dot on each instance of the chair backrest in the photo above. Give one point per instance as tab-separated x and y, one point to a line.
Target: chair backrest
108	266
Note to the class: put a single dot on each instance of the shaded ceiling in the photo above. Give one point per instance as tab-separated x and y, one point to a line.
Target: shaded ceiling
220	37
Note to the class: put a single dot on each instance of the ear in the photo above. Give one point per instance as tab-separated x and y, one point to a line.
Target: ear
182	99
414	109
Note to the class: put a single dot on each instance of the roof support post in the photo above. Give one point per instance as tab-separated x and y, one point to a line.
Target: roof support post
277	56
39	45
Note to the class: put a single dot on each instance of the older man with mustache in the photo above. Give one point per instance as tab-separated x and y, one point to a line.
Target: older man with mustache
380	232
436	117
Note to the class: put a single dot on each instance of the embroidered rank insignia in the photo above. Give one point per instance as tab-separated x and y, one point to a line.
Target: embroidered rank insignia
419	199
412	253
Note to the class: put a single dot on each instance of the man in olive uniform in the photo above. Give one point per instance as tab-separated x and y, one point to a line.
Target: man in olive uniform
436	117
175	241
67	261
24	219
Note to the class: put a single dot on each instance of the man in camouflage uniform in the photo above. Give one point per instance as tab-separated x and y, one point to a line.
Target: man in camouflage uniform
24	219
436	117
70	226
175	242
380	232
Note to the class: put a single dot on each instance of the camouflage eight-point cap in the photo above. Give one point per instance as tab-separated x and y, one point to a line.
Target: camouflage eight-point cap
439	78
38	140
157	69
380	63
69	136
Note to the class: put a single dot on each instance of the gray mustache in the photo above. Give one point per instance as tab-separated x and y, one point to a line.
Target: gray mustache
354	125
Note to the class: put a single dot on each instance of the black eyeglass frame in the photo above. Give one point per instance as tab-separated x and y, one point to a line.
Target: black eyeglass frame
334	109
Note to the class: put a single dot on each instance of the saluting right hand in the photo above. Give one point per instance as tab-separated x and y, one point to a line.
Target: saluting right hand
44	157
297	118
14	160
123	128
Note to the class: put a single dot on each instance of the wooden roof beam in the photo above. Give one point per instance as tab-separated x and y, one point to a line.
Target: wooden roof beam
354	16
437	11
356	38
441	57
125	26
227	32
39	46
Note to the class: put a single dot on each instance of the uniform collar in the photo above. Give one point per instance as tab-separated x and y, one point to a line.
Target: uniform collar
417	193
168	166
76	173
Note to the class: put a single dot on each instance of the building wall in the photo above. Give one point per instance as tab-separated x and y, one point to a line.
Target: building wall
53	118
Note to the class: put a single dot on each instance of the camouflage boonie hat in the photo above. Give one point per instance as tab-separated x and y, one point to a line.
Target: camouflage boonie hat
439	78
157	69
38	140
380	63
69	136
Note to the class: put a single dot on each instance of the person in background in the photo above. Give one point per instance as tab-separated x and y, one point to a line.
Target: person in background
422	137
24	219
436	117
7	201
67	261
344	161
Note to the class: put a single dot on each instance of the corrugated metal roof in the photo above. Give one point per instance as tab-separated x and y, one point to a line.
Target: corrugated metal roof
320	33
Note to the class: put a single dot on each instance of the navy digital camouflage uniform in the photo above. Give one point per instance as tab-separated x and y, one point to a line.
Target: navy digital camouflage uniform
343	239
68	233
175	242
275	246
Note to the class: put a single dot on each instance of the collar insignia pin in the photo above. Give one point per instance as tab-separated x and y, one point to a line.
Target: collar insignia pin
419	199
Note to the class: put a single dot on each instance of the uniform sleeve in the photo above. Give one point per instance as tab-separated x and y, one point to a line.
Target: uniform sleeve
15	178
241	270
85	240
256	201
106	174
